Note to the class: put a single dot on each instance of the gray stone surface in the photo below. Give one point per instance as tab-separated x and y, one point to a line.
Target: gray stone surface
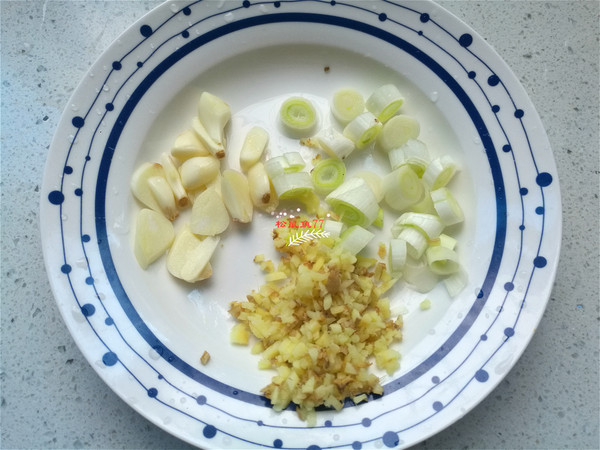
52	398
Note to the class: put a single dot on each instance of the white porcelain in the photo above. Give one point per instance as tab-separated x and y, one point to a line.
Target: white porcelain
144	332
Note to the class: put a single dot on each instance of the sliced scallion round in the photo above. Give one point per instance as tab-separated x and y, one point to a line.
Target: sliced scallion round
455	283
428	224
442	260
446	206
328	174
402	188
292	185
417	274
416	243
334	143
414	153
363	130
398	131
354	202
347	104
374	182
439	172
355	238
333	228
298	116
295	162
397	255
384	102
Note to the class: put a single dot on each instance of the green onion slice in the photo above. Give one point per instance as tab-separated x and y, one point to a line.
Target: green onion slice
354	202
384	102
446	206
328	174
442	260
398	131
402	188
347	104
363	130
355	238
439	172
292	185
298	116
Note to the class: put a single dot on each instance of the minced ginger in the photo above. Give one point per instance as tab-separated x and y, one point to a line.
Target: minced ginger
319	323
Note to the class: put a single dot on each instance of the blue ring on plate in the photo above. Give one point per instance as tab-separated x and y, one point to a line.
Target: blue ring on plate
390	38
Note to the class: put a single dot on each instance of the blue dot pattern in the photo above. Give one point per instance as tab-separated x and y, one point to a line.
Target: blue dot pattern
209	431
465	40
88	309
482	376
78	122
390	439
56	197
109	358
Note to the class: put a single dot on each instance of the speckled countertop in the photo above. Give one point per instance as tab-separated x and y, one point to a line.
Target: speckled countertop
52	398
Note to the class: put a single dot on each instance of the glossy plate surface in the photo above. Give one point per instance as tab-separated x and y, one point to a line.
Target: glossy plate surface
144	332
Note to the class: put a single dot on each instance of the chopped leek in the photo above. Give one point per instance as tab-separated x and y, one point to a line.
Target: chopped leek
425	305
442	260
417	274
446	206
428	224
292	185
355	238
425	206
333	227
334	143
414	153
328	174
363	130
298	116
378	222
374	182
286	163
402	188
439	172
416	243
295	162
455	283
397	254
384	102
347	104
447	241
276	166
398	131
354	202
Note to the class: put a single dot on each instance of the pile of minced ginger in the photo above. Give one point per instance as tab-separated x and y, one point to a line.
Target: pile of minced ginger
319	320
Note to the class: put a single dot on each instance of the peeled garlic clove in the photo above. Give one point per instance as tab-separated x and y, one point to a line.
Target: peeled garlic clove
174	180
190	254
156	195
154	235
209	215
187	145
261	191
198	171
236	196
164	196
217	149
214	114
253	147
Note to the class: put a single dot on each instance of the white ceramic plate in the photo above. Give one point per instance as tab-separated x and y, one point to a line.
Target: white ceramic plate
144	332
